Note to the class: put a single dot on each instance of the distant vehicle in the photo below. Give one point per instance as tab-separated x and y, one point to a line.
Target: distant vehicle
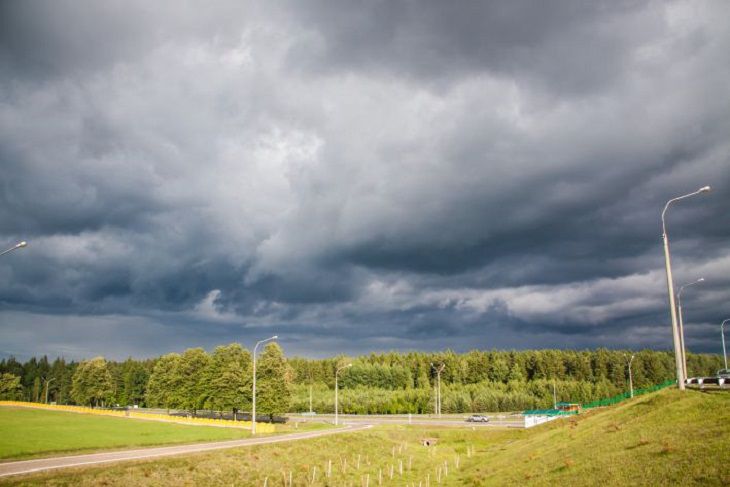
724	373
477	418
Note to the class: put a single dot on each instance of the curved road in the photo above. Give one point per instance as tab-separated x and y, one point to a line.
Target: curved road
41	464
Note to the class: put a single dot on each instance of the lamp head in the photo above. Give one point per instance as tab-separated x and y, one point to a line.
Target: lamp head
701	279
705	189
275	337
22	244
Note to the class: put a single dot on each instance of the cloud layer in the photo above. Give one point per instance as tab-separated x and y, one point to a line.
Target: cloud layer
357	177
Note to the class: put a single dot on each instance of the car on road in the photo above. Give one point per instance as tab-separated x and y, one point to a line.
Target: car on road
477	418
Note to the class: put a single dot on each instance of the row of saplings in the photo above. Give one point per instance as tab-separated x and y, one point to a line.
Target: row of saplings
195	380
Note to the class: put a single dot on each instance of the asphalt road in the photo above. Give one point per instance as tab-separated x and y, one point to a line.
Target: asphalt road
505	422
41	464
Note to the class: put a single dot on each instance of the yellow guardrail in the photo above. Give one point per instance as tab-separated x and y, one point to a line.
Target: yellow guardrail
130	413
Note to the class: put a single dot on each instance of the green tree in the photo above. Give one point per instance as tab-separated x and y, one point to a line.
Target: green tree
191	378
228	381
135	377
10	387
273	381
163	385
92	383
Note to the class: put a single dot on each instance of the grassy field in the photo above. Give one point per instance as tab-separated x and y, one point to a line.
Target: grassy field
33	432
666	438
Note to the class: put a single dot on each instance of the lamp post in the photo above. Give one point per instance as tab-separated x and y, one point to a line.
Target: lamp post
48	382
19	245
631	378
337	399
681	323
253	412
670	287
439	369
722	333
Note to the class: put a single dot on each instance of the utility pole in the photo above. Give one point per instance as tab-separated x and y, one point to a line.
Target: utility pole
631	379
438	369
253	412
337	400
555	397
48	382
670	288
722	333
681	323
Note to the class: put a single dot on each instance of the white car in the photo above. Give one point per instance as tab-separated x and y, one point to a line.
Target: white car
477	418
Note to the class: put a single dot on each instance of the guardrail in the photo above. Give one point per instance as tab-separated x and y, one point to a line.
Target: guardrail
712	382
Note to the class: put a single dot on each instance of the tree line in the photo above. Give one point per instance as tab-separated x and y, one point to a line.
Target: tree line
390	382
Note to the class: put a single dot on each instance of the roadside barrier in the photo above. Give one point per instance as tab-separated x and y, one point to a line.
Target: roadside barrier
626	395
610	401
225	423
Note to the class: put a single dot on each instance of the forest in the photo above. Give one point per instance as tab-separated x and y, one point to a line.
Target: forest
379	383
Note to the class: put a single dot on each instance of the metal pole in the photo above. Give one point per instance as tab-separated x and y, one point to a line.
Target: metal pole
722	333
670	289
681	323
438	389
337	400
47	383
555	397
14	247
681	336
673	314
631	379
310	398
253	408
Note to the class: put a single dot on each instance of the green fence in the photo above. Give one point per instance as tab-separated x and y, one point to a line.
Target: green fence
622	397
602	402
549	412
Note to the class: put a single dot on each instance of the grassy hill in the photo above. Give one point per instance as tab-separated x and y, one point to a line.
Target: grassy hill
667	438
664	438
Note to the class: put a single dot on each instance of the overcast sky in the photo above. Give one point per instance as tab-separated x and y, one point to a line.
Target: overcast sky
360	176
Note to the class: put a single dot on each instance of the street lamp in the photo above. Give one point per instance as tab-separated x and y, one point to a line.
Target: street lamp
670	287
438	396
337	400
47	383
631	378
253	412
722	332
681	323
19	245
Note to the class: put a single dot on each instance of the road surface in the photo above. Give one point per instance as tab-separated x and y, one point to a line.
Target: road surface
41	464
499	422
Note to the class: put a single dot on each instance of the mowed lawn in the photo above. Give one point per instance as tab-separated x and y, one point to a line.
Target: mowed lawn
28	432
665	438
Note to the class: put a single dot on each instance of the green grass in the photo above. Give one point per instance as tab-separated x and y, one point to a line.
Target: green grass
666	438
35	432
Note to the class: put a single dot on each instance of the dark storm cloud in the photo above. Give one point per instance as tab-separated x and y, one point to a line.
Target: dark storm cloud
360	176
568	46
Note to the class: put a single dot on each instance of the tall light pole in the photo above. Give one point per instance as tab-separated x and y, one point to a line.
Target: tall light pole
253	412
337	388
681	323
19	245
722	332
670	287
439	369
631	378
48	382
